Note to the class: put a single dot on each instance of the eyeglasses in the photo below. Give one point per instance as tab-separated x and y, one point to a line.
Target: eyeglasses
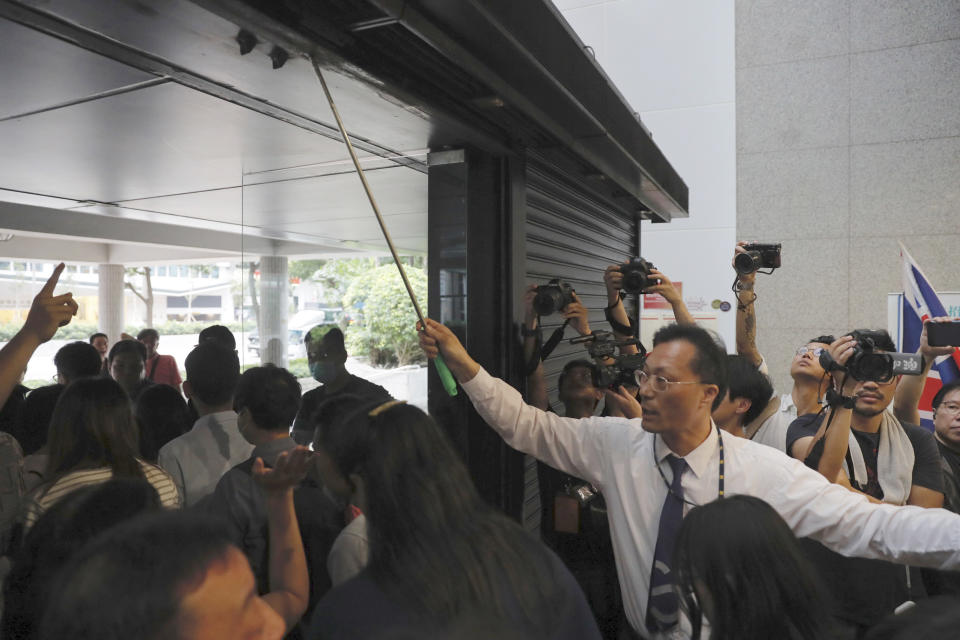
950	408
659	383
816	351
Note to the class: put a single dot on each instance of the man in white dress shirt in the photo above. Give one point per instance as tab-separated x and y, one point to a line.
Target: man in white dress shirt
199	458
626	459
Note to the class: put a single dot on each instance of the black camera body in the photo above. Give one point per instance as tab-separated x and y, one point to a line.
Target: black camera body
552	297
758	256
602	347
636	275
869	363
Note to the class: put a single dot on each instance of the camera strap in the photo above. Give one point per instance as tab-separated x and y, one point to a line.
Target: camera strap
542	351
553	340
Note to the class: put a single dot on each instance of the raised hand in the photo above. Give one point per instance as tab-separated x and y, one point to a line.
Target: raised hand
613	280
622	403
930	353
577	314
529	314
436	339
746	279
49	312
289	470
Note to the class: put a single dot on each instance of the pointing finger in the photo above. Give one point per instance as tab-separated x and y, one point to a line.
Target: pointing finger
51	283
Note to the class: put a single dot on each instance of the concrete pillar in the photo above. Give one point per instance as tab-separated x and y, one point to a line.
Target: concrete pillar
110	303
274	300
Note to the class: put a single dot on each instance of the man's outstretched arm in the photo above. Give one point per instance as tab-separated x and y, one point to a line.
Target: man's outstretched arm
570	445
848	523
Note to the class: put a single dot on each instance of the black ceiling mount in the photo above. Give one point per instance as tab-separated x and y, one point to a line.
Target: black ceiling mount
513	73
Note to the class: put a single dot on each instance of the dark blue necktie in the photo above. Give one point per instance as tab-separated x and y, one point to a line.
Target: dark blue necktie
662	604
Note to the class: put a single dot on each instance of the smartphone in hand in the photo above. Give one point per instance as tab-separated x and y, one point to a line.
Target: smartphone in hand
943	334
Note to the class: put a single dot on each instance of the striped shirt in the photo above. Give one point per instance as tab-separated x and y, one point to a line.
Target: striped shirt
44	497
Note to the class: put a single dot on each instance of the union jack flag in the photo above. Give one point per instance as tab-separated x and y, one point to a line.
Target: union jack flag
920	303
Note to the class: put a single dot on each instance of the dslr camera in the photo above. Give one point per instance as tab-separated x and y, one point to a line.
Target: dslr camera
602	347
868	362
758	256
636	275
552	297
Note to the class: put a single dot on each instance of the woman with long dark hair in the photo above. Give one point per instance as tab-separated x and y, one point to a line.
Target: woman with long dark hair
440	557
93	438
739	566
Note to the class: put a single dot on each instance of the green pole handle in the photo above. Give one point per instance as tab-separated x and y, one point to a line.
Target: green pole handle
445	376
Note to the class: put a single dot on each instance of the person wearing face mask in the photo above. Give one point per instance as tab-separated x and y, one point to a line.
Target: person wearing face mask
327	357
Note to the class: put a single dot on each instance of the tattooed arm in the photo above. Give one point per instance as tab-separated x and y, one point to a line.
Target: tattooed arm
746	316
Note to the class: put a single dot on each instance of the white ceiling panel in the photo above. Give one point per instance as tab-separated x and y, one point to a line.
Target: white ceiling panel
365	228
39	72
397	190
159	140
194	38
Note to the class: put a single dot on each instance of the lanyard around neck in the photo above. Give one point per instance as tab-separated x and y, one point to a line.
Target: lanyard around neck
670	489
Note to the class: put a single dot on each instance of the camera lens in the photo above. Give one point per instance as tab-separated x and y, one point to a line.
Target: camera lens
746	263
634	282
877	367
548	300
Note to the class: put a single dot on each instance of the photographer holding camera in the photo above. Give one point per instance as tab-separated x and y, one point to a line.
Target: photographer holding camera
641	277
857	443
809	383
573	514
863	445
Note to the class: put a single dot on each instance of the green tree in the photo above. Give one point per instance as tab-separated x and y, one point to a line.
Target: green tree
305	269
383	319
336	276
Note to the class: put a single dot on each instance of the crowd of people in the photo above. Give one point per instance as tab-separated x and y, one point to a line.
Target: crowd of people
689	500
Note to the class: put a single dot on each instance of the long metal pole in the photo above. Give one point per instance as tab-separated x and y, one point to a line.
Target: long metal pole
366	187
446	377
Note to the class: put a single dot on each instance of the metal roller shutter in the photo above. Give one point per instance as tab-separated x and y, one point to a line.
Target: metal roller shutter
572	233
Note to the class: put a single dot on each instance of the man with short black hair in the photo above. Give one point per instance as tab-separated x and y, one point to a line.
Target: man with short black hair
125	365
651	471
266	401
327	357
76	360
218	333
161	369
198	458
746	397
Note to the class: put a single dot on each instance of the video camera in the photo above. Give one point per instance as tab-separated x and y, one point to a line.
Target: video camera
602	347
636	275
868	362
758	256
552	297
